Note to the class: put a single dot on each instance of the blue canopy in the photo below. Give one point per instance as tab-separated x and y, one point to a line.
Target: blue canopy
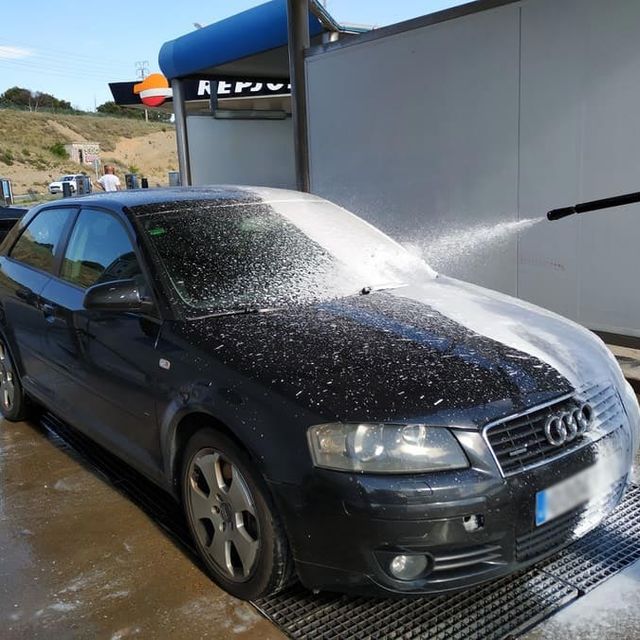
234	46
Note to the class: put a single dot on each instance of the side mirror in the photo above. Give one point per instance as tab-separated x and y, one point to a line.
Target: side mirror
120	295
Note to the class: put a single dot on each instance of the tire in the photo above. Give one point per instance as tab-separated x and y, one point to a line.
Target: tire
232	518
14	404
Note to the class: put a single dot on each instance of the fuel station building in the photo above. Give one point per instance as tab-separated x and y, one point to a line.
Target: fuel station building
491	112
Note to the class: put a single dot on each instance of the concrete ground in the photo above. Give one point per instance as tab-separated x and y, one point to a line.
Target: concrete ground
78	559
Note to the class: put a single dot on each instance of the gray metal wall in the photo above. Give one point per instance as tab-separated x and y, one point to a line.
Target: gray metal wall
252	152
494	117
580	140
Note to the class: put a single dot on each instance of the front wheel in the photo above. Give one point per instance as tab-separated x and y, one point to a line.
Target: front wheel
14	404
232	518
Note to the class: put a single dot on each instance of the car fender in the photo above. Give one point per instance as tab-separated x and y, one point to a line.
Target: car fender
202	405
254	419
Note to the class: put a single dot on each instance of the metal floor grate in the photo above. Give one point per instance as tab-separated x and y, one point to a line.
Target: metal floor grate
498	610
501	609
488	611
605	551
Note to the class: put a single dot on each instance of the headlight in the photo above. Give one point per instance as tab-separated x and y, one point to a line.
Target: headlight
385	448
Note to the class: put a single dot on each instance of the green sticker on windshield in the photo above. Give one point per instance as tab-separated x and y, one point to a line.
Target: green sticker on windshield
157	231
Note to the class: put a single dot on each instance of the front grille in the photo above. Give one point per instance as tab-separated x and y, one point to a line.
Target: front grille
566	528
520	443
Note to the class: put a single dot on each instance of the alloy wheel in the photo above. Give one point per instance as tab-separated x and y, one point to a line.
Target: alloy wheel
224	514
7	387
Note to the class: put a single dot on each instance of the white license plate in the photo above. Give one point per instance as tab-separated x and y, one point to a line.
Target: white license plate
593	482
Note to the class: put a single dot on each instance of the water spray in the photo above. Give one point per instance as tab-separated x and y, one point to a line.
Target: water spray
594	205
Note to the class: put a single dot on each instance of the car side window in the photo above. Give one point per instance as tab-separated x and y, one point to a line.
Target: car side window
99	250
38	243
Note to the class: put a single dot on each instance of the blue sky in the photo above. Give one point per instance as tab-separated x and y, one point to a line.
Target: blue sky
73	50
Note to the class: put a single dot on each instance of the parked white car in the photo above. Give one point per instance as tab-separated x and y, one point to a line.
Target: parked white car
56	186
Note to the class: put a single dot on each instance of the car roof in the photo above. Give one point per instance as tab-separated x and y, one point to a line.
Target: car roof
137	199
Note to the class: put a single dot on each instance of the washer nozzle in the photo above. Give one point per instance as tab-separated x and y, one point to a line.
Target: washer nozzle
563	212
594	205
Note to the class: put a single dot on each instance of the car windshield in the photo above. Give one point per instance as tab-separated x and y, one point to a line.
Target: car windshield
257	255
67	178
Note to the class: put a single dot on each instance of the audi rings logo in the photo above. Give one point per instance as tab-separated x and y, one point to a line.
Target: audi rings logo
565	426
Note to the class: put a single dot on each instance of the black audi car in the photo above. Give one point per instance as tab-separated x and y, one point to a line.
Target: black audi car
321	402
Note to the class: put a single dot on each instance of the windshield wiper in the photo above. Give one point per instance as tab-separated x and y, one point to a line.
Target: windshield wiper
381	287
245	311
237	312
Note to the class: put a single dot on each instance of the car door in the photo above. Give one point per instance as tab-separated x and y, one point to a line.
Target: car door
106	360
24	272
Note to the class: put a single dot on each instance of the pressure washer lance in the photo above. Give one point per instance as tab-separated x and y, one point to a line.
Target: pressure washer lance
594	205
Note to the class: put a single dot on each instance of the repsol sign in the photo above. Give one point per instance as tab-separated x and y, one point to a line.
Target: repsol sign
155	89
241	88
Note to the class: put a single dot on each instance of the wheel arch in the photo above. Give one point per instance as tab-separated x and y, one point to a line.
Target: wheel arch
13	349
184	427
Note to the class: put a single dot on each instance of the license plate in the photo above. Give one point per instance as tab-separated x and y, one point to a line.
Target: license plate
576	490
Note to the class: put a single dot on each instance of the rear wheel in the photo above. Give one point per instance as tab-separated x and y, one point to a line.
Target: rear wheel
14	404
232	518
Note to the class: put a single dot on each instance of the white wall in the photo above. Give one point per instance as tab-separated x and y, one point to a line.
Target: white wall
580	140
418	132
252	152
492	117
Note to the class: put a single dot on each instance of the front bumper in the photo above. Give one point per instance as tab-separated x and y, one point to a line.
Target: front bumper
54	190
344	528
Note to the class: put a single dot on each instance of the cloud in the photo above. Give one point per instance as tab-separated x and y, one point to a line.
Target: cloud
13	53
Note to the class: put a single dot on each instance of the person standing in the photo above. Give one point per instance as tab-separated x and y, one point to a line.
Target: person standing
109	181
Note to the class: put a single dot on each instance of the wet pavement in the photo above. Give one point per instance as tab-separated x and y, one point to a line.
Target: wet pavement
79	560
611	611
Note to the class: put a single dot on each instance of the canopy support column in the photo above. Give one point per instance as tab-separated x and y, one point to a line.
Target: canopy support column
182	136
299	40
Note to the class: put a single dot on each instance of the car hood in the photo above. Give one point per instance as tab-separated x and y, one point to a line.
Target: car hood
443	351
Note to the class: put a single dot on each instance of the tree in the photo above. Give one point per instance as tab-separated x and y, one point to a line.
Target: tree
47	101
32	100
113	109
16	96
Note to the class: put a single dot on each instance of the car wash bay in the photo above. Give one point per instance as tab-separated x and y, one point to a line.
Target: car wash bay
88	548
487	114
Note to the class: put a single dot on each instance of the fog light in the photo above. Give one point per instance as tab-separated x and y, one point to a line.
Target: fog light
407	567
